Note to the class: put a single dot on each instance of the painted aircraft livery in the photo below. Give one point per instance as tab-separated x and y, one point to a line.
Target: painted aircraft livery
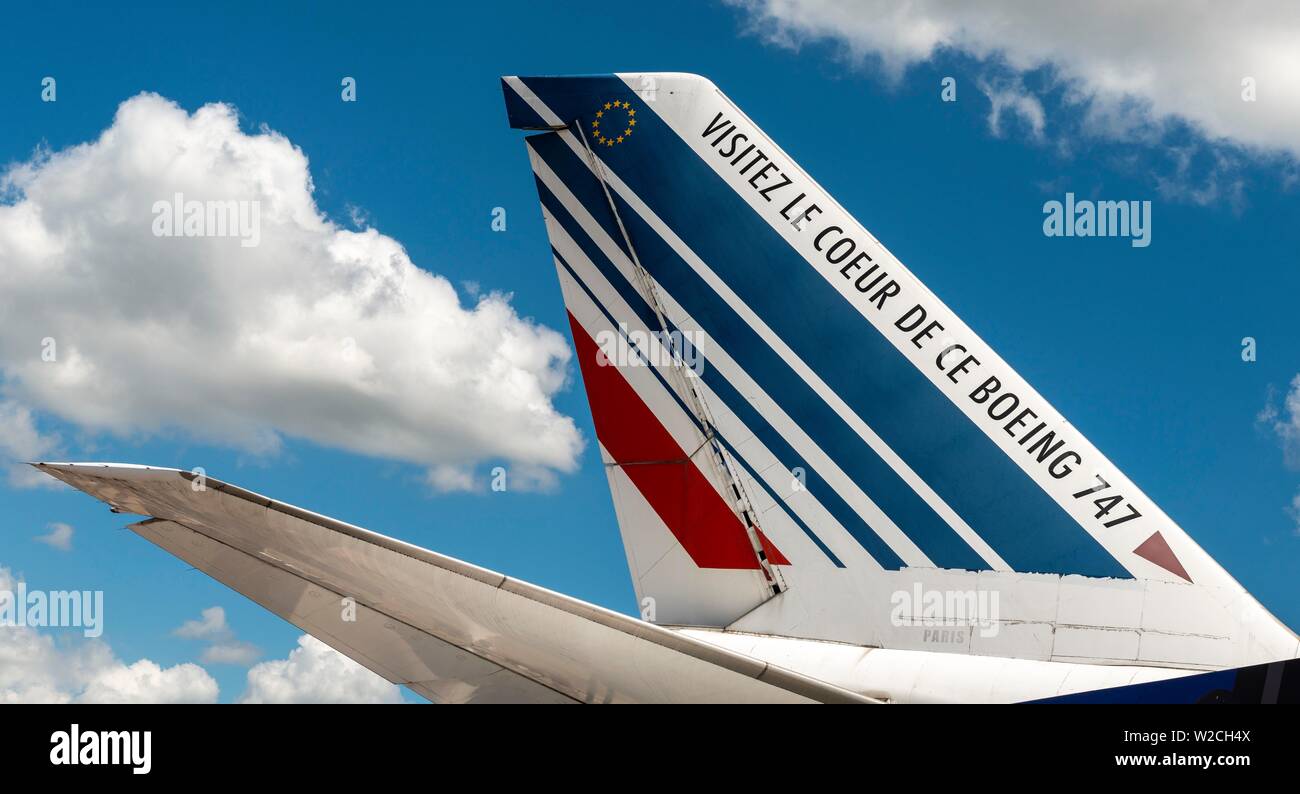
828	487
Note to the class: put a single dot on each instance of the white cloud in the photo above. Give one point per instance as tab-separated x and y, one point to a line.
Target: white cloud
1217	179
211	625
446	479
318	332
146	682
232	652
20	441
316	673
1131	67
58	537
1009	98
34	668
1285	422
223	647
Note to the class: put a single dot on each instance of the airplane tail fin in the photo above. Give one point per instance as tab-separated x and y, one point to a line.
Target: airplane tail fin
801	439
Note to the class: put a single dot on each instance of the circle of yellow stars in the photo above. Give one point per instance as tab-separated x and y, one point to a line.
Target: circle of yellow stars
606	138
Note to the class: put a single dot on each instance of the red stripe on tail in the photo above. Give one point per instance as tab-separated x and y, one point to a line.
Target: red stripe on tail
685	501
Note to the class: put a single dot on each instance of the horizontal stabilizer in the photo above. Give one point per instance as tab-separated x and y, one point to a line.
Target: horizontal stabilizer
451	631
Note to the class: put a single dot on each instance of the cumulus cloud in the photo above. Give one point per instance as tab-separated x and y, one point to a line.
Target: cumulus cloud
58	537
223	647
316	673
146	682
1131	69
317	332
34	668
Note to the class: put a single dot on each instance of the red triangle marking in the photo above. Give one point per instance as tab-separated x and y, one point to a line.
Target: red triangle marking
1156	549
774	554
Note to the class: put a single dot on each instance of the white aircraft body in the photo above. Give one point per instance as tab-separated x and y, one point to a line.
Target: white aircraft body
829	488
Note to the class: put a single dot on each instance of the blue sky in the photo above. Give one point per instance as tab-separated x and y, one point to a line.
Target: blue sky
1138	347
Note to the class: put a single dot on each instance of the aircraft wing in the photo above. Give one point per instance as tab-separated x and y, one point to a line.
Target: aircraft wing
448	630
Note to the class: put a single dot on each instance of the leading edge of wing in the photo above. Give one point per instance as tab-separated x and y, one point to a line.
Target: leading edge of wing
276	553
